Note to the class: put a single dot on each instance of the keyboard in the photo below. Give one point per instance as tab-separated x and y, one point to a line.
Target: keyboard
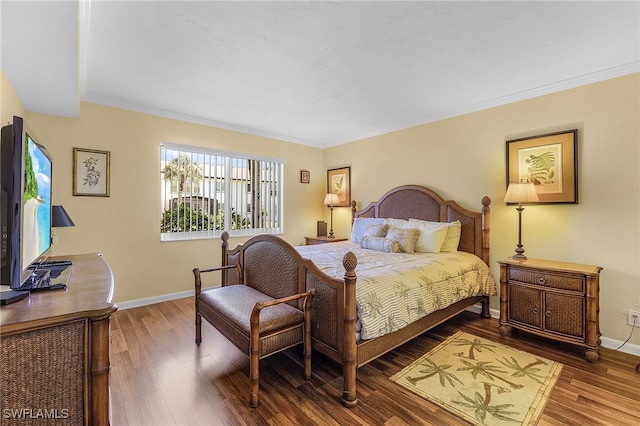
48	275
55	267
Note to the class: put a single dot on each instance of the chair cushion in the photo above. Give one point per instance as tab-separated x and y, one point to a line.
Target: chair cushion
234	303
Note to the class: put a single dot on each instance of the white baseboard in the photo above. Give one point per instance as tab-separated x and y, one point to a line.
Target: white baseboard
605	341
155	299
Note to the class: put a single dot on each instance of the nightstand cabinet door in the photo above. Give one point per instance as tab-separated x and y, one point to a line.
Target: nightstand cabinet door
557	300
564	315
525	306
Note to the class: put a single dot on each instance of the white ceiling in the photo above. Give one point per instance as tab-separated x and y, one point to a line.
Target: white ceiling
317	73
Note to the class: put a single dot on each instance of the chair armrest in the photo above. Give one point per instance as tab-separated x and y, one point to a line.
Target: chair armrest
255	313
197	272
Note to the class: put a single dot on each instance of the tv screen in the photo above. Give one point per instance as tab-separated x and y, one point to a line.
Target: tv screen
36	207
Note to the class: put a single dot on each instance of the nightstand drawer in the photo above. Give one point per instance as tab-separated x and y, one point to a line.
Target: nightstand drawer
547	279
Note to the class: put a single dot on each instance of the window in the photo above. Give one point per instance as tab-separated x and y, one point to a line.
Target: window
205	192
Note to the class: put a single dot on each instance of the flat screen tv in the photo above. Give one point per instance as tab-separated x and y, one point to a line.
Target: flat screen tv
26	202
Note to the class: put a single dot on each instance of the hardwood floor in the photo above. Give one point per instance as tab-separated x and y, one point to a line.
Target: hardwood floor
159	376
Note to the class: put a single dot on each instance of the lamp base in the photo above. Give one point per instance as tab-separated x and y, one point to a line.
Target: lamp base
519	253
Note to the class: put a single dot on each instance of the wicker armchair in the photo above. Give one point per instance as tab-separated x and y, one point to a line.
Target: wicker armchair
261	316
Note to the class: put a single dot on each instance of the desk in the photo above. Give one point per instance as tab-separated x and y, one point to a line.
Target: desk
54	349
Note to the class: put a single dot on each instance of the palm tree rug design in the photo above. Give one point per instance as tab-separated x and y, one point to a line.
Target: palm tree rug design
482	382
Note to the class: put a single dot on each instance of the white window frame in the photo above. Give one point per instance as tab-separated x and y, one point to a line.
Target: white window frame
270	177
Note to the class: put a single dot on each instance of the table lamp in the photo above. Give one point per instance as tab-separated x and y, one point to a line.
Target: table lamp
520	193
60	218
331	200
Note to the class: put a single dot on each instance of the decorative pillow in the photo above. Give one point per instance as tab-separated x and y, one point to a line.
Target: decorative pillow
376	230
360	225
380	244
452	240
406	238
432	235
396	223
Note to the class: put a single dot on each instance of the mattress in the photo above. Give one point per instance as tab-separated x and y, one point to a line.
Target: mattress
395	289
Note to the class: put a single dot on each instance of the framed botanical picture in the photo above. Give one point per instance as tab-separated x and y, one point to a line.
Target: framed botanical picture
305	176
549	162
91	172
339	182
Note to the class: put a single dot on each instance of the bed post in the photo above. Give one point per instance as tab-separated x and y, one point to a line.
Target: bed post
353	210
349	398
224	261
486	228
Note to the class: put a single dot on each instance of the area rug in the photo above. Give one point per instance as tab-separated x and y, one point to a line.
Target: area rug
482	382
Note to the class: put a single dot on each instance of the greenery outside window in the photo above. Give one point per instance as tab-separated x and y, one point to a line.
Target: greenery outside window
205	192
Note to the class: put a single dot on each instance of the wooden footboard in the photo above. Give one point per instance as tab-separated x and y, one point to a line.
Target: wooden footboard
334	305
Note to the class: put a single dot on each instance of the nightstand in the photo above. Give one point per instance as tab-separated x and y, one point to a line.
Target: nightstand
557	300
310	241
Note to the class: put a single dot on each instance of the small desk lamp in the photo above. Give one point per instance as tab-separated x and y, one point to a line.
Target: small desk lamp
331	200
60	218
520	193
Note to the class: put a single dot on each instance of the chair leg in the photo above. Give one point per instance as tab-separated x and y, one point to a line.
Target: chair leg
307	349
198	328
254	376
254	355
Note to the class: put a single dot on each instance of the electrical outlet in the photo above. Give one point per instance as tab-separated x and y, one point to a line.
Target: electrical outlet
630	318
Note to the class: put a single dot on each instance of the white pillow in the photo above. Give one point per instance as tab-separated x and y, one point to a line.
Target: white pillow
360	225
452	240
432	235
380	244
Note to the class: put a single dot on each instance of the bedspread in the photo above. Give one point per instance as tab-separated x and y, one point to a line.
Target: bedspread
396	289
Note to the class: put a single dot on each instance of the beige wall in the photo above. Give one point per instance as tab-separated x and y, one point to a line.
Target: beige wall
124	227
463	158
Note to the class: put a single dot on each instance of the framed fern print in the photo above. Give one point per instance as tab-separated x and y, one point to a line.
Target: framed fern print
548	161
339	182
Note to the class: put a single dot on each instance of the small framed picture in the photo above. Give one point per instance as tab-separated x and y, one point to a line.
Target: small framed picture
305	176
91	172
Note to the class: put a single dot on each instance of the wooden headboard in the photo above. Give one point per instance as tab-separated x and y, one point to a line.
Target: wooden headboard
419	202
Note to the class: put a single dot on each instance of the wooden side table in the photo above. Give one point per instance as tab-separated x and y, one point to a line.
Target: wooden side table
557	300
322	240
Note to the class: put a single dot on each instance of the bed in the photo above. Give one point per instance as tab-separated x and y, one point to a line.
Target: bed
336	330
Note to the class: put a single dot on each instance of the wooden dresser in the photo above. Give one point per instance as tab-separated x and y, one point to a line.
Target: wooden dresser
558	300
54	350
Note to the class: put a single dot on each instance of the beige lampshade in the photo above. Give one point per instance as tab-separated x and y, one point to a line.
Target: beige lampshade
331	200
521	193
